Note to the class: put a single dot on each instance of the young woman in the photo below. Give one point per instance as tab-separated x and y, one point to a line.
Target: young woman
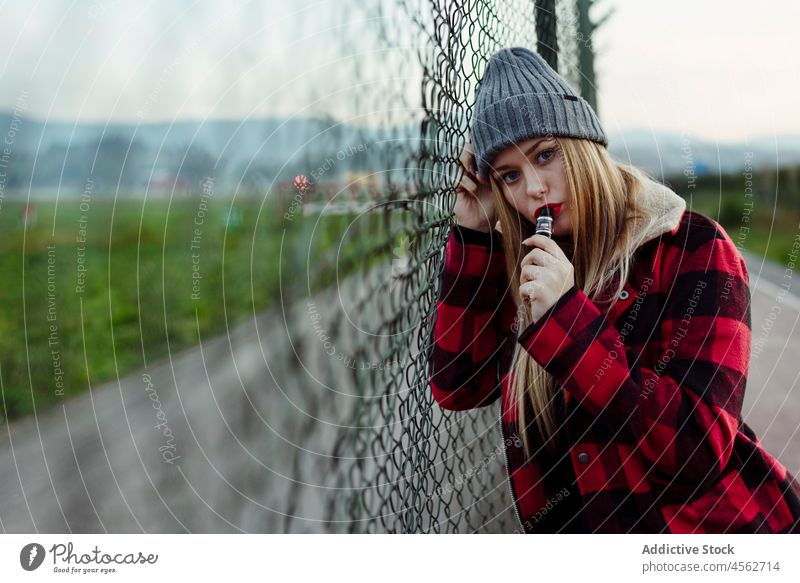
618	346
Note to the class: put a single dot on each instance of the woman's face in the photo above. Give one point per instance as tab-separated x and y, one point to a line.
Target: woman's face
532	174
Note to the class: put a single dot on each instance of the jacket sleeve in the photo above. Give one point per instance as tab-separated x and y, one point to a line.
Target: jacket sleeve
683	413
472	312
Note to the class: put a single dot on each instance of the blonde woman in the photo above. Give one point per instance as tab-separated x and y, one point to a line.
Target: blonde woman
618	346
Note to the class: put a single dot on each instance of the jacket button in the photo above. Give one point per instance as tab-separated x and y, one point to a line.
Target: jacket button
623	295
583	457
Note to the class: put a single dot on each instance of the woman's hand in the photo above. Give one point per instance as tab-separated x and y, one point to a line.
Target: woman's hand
546	275
475	204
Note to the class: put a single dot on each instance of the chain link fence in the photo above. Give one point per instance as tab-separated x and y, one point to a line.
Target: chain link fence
408	72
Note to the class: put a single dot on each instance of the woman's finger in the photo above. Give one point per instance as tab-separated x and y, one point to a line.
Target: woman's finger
529	273
547	244
466	158
527	290
468	184
538	257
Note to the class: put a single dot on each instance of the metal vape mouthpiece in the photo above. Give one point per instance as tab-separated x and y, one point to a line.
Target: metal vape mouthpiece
544	223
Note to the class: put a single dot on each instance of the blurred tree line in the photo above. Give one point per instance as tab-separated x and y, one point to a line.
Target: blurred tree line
773	190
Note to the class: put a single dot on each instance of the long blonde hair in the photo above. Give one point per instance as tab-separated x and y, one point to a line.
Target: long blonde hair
603	194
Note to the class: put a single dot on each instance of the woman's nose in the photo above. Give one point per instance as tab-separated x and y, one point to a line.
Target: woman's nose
535	184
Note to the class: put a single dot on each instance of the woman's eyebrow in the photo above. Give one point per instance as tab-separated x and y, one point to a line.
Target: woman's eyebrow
530	149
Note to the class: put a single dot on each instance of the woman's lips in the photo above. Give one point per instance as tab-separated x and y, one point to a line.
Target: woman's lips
555	209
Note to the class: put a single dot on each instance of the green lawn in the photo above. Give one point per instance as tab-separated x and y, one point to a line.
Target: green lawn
128	293
145	279
772	228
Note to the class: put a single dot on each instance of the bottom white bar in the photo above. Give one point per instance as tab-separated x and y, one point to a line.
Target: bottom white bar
349	558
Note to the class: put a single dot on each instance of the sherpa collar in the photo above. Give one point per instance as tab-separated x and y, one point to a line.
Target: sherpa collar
662	209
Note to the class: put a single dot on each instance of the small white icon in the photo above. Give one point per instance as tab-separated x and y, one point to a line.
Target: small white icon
31	556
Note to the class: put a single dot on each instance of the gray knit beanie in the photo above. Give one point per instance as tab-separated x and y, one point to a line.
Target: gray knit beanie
521	97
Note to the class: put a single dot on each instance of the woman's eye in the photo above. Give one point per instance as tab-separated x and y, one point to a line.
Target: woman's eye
510	176
545	155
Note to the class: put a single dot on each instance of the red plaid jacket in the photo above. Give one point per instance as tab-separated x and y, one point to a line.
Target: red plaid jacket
652	393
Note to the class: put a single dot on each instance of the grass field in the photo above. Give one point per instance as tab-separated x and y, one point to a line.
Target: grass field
91	292
762	228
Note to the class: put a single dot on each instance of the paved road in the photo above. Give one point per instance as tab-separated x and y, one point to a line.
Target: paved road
772	400
252	437
106	460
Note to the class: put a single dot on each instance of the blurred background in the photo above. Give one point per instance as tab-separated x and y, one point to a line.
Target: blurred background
221	229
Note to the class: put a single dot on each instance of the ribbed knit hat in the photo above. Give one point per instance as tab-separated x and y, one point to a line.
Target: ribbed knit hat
521	97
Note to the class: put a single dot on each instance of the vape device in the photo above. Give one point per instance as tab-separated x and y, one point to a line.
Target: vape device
544	223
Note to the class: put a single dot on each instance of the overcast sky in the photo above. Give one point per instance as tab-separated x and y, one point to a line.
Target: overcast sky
725	70
718	70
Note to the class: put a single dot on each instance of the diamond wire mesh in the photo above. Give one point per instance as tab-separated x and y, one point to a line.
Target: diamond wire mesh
400	463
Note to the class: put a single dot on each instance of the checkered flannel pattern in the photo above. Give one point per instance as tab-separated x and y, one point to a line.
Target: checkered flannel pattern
652	391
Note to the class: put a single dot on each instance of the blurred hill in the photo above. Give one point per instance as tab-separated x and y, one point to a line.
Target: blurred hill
248	153
668	153
252	153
